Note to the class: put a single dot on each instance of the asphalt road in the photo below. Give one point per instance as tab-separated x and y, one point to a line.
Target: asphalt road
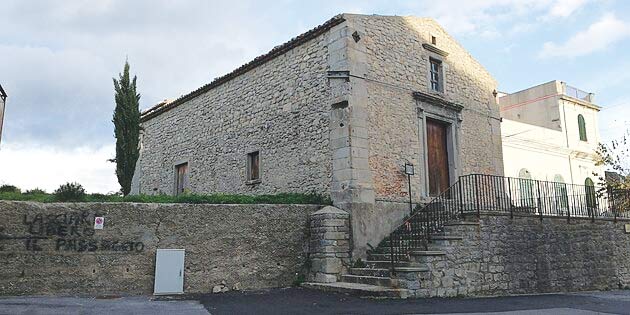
305	301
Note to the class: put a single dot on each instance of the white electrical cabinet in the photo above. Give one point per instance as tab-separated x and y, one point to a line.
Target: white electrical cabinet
169	271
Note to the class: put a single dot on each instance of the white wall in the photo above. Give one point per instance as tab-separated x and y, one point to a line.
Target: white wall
540	133
545	154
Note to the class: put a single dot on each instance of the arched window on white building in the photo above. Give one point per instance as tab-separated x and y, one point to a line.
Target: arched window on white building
526	189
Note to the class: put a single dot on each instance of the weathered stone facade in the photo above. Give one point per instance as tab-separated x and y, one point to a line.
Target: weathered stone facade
336	111
280	108
522	255
53	248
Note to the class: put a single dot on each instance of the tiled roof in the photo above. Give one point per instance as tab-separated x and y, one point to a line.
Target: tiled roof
275	52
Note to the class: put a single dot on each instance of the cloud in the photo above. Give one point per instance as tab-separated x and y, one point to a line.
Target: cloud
31	166
488	17
564	8
58	60
63	55
598	36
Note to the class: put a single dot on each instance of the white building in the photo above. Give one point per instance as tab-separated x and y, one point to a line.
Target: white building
550	132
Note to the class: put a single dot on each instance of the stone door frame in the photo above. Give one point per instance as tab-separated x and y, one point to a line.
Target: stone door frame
434	108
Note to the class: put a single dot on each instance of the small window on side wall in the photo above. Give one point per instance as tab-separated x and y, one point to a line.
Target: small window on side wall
435	75
181	178
253	166
582	128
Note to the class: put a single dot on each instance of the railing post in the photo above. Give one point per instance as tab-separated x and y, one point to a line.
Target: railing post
477	196
461	197
410	200
428	229
539	202
391	253
509	199
568	211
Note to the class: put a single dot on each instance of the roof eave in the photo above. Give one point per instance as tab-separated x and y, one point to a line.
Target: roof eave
260	60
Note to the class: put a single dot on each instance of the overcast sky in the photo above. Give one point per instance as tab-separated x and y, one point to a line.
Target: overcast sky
57	60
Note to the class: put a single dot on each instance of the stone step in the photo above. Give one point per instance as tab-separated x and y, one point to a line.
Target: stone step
371	280
385	244
358	289
427	253
445	241
427	256
388	264
379	256
457	223
385	250
412	269
375	272
438	237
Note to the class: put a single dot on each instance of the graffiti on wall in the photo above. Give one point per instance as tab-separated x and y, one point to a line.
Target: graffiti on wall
68	231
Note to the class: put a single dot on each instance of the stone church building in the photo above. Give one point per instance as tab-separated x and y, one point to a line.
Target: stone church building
339	111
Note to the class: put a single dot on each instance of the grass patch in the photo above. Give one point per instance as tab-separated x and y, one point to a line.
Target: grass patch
285	198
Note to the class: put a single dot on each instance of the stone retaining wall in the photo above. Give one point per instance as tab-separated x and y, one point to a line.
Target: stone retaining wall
523	255
53	248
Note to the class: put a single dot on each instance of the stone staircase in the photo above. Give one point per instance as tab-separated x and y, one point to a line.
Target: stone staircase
422	273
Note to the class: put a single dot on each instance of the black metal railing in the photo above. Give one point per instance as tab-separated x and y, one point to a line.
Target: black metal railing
476	193
416	231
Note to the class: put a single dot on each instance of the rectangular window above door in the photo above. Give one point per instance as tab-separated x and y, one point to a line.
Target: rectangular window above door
435	75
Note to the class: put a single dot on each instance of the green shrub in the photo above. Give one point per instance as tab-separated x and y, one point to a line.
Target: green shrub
70	192
104	197
9	189
35	191
24	197
299	279
75	192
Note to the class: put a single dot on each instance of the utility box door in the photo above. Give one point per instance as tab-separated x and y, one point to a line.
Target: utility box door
169	271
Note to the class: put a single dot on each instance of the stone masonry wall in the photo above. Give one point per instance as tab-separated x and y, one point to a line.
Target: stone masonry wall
387	63
53	249
335	115
398	65
329	244
525	255
279	108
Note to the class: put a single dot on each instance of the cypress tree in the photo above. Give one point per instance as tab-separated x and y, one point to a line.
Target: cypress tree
126	128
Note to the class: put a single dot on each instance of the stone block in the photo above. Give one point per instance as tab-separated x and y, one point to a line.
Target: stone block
334	222
336	236
325	278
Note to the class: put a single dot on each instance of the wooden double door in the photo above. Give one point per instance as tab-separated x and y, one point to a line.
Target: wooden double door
437	157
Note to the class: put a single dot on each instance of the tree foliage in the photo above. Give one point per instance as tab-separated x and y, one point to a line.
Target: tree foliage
70	192
615	156
126	128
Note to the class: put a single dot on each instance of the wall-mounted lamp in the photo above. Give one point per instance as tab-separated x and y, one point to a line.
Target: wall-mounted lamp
409	169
